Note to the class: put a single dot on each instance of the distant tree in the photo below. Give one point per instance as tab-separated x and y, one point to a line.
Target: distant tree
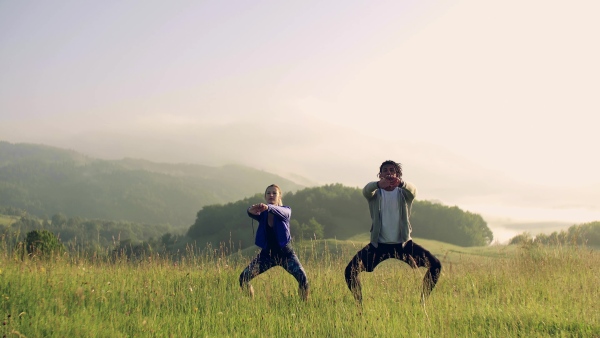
591	233
43	243
584	234
313	229
74	222
12	211
310	230
295	229
542	239
58	220
524	238
449	224
562	237
132	251
166	239
587	233
26	223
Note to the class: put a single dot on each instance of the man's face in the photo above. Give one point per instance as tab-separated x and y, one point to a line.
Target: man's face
388	170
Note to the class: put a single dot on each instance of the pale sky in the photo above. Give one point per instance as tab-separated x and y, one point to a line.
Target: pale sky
490	105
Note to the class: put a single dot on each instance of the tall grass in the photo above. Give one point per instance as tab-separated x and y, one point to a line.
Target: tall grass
484	292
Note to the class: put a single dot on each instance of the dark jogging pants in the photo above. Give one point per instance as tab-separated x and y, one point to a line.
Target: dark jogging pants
413	254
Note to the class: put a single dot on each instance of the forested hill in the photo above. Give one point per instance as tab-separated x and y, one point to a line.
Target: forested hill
45	181
336	211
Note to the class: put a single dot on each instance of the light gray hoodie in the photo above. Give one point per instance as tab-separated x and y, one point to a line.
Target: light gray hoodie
406	194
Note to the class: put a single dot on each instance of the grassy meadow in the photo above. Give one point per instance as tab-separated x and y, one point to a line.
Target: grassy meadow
496	291
7	220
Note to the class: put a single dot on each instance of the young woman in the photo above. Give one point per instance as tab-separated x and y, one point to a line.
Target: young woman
273	237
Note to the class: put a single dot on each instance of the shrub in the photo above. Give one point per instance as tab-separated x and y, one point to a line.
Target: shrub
43	243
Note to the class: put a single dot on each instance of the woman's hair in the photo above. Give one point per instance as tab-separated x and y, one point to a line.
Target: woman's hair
279	200
397	167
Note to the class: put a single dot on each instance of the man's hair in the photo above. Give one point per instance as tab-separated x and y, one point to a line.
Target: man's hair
280	201
397	167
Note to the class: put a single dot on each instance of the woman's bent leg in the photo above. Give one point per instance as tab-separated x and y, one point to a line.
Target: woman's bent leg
294	267
261	263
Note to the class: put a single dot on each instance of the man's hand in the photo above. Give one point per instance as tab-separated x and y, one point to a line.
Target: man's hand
395	182
389	182
258	208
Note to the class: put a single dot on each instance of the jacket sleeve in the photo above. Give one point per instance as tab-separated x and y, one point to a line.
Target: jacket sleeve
410	190
282	212
256	217
370	189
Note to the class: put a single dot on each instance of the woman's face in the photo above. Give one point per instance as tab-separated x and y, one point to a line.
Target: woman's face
272	195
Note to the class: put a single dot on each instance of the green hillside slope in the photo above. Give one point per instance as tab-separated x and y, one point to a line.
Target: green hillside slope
45	180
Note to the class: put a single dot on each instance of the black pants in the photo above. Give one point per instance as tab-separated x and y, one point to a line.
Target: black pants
413	254
268	258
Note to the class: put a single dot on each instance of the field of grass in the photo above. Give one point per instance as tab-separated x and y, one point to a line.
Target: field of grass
7	220
496	291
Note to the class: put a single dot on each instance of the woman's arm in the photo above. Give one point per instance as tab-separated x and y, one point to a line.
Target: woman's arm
282	212
252	215
255	210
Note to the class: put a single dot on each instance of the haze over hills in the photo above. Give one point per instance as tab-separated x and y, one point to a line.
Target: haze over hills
312	157
315	158
45	180
83	196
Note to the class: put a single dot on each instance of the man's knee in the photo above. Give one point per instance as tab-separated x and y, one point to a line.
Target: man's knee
435	264
350	271
435	269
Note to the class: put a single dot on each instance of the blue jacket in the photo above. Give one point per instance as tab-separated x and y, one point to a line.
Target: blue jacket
281	225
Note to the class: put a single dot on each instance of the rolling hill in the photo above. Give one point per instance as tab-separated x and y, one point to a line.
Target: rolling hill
46	180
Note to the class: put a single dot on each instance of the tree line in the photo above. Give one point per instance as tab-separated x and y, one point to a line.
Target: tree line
330	211
577	234
80	234
337	211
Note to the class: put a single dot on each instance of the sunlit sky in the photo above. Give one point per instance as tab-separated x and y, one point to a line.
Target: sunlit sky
490	105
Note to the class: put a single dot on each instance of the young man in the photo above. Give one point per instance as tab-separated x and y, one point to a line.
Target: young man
390	200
